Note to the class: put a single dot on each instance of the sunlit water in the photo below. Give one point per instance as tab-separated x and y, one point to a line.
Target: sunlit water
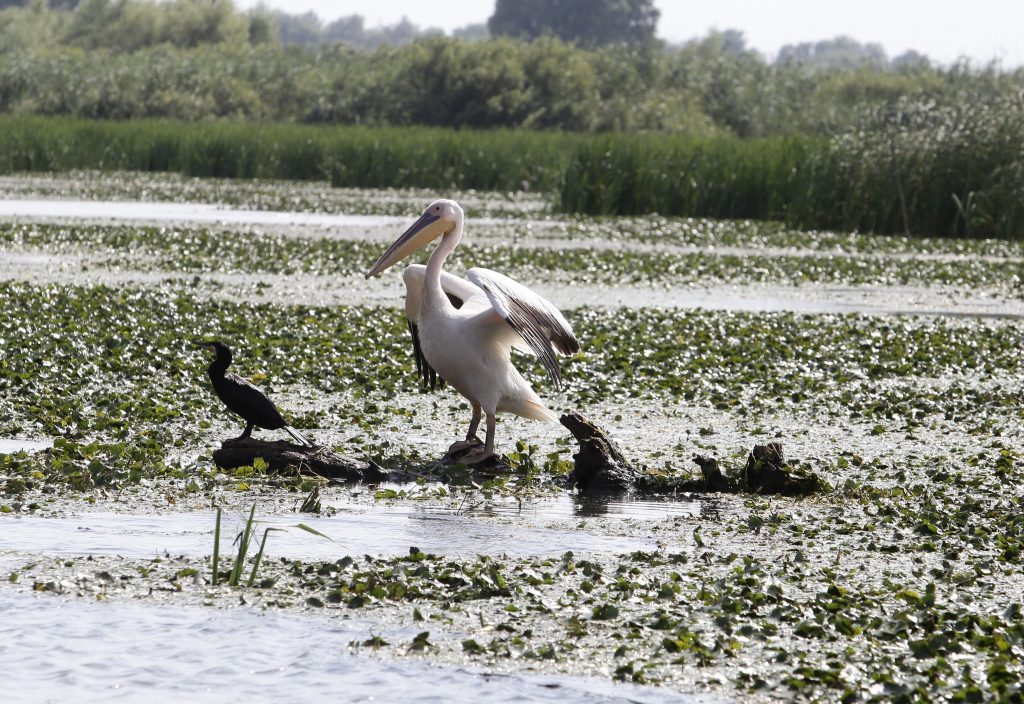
53	650
196	214
376	532
11	445
199	213
329	290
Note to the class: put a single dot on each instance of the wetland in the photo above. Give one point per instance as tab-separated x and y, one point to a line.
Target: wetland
889	366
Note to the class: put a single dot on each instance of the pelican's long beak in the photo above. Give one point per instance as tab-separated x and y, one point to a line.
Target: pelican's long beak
422	233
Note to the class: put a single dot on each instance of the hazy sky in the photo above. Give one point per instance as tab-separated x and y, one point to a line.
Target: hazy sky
944	30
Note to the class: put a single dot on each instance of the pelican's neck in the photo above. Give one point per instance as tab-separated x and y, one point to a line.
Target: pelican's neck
432	290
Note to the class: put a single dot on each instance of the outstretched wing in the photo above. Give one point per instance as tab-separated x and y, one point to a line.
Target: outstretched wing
537	321
459	291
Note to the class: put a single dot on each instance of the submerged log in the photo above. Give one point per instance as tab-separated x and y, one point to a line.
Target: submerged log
600	466
766	473
285	457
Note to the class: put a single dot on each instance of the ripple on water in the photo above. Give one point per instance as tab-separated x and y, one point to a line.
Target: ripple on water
56	650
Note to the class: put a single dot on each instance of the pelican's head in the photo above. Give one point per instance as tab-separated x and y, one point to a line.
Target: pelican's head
440	218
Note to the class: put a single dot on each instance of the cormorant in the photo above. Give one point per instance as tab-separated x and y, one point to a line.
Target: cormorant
243	398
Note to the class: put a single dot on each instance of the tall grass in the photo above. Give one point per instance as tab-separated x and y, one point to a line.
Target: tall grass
719	177
347	156
915	168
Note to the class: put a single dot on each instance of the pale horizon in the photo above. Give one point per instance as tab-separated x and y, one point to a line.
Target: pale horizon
942	30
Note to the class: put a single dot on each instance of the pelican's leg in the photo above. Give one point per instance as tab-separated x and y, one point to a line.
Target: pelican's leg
492	421
482	454
471	438
245	433
474	424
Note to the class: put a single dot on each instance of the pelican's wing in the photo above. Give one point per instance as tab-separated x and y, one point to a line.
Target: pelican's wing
534	317
459	291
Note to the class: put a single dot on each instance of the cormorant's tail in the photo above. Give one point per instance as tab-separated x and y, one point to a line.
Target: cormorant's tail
299	436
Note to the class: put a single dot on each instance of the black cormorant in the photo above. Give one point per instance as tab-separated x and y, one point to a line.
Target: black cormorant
243	398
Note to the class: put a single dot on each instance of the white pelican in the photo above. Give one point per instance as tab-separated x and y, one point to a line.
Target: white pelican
464	330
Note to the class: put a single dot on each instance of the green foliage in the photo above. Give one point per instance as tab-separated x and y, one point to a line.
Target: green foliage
926	171
589	22
675	175
199	60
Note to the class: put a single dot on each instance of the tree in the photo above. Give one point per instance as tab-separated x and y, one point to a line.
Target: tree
831	54
588	22
472	32
298	29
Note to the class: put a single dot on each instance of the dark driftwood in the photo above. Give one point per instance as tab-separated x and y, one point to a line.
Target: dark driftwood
600	466
766	473
286	458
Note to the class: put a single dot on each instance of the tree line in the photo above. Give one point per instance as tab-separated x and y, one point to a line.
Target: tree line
192	60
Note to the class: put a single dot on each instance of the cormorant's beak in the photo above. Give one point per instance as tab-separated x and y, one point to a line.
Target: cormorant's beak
422	233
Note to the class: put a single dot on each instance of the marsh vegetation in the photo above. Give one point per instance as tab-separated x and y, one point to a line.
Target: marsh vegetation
899	583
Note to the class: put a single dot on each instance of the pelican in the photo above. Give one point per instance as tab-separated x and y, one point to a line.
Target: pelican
464	329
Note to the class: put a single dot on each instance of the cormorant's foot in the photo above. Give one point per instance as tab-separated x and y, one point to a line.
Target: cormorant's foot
235	441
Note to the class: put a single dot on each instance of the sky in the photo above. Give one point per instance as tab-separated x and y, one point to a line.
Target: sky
944	30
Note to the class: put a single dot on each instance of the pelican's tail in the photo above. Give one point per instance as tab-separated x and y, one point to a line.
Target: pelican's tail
532	409
299	436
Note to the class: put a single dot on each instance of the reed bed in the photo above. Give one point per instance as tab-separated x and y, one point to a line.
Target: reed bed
497	160
913	169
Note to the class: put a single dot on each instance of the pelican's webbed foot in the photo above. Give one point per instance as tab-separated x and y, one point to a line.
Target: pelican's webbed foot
478	454
472	454
463	445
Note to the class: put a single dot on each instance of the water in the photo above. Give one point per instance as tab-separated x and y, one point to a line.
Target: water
373	532
52	650
198	213
57	210
12	445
